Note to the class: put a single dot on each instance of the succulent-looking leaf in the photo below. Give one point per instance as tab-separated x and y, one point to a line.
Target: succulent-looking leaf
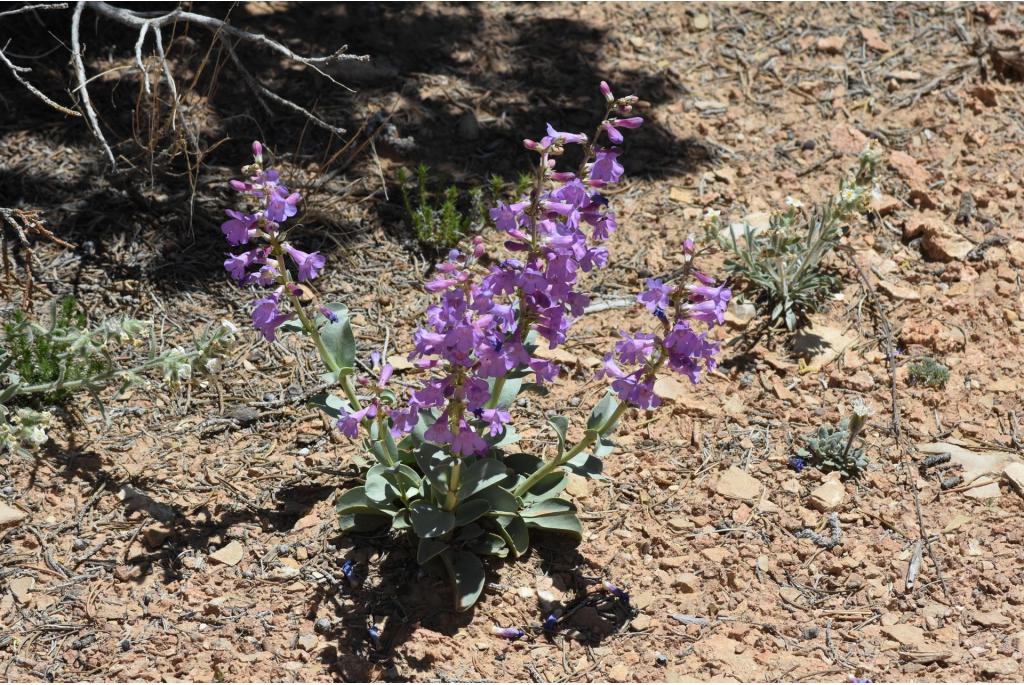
602	411
428	549
339	343
430	520
555	515
470	511
561	425
467	574
479	475
331	405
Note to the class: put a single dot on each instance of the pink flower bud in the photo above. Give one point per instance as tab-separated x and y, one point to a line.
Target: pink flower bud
257	150
607	92
531	144
630	122
238	185
688	246
478	247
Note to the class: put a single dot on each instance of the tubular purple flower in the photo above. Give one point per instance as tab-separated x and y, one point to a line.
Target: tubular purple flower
266	317
309	263
237	229
655	297
562	137
349	423
606	167
606	91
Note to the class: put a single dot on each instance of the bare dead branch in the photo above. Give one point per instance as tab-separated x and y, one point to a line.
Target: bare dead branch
32	89
31	8
76	52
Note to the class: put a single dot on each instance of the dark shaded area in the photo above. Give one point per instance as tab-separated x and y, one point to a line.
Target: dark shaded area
397	596
465	89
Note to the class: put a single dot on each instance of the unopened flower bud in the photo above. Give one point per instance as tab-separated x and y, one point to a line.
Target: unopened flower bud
607	92
531	144
257	151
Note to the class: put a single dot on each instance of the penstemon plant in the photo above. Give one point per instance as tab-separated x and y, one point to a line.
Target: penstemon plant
446	467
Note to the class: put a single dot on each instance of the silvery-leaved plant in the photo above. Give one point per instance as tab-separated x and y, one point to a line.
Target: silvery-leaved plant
783	268
46	365
446	468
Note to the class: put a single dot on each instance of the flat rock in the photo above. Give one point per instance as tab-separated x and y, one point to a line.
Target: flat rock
999	667
738	484
9	516
832	45
847	140
687	582
230	554
1014	472
21	587
899	292
619	673
828	496
940	242
873	39
906	635
990	619
307	641
916	176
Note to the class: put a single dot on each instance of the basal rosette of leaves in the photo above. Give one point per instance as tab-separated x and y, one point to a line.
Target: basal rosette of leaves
446	468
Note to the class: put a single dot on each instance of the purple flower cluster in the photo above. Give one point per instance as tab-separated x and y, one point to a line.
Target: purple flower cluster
263	264
680	346
476	333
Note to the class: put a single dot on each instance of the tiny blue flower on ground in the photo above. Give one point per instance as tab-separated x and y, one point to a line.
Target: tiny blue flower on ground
550	623
797	464
373	634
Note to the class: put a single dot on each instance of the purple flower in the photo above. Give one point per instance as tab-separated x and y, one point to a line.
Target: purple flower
616	591
606	167
655	297
237	228
509	633
237	265
349	423
467	442
709	303
495	419
266	317
309	263
560	136
550	623
634	349
797	464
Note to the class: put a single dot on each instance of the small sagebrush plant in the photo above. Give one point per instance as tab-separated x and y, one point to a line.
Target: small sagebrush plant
832	449
785	269
446	466
928	372
45	365
442	220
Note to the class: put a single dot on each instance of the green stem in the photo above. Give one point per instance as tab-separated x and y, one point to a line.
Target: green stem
587	440
453	486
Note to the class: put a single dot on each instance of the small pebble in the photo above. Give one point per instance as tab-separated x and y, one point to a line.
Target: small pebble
661	660
322	625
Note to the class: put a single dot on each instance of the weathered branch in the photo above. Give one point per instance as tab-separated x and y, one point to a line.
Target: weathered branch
76	53
32	89
221	30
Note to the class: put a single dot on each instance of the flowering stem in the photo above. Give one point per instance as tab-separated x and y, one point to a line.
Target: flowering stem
344	379
583	444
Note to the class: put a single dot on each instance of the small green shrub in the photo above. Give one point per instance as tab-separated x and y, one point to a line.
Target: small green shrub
928	372
784	269
442	219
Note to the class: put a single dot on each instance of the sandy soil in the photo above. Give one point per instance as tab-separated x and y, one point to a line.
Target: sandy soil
112	574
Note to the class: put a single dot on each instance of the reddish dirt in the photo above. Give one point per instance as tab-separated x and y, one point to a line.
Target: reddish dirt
750	104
